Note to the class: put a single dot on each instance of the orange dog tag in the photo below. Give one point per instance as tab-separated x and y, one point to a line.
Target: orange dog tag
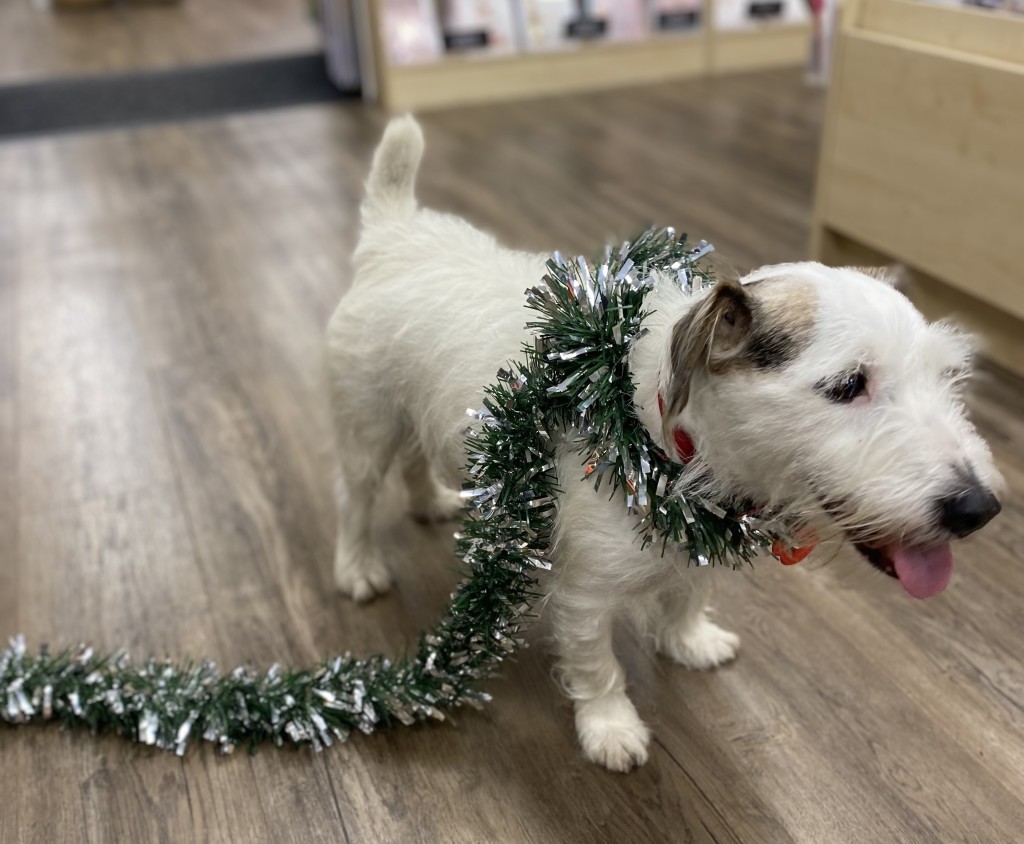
792	556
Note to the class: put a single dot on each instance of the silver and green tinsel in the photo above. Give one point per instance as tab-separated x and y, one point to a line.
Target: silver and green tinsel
573	382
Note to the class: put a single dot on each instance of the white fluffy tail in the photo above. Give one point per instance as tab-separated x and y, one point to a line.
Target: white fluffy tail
389	189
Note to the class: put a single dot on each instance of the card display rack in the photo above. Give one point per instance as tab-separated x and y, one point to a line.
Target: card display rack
767	40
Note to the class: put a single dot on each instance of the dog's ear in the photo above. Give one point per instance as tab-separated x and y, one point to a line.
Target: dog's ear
711	335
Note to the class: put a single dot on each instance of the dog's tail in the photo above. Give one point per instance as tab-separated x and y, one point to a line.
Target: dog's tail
389	189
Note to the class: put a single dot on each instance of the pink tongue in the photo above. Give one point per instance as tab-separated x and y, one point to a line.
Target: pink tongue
923	572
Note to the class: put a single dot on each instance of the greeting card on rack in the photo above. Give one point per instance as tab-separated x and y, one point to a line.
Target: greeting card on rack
749	14
478	26
410	32
563	24
676	15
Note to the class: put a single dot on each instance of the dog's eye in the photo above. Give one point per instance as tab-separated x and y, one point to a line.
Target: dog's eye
846	389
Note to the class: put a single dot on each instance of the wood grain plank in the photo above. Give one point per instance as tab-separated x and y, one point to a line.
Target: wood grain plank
86	413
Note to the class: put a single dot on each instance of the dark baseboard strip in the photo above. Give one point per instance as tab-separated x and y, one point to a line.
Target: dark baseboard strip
113	101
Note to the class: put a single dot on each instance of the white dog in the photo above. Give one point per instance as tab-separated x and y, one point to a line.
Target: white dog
818	391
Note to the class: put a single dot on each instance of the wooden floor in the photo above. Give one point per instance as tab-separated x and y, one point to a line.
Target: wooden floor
165	466
37	43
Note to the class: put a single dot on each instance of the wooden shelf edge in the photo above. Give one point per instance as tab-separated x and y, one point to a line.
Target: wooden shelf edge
759	49
761	31
465	81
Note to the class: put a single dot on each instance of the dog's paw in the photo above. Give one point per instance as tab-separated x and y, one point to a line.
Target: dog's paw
445	505
363	586
612	734
701	646
360	580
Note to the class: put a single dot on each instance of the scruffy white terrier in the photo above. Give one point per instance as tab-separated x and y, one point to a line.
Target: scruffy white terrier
819	392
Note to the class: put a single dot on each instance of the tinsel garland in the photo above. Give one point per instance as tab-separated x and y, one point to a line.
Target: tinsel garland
574	382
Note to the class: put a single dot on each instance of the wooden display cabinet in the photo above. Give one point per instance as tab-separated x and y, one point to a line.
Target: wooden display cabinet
922	160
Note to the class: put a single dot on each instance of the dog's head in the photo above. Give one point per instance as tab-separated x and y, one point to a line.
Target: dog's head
825	393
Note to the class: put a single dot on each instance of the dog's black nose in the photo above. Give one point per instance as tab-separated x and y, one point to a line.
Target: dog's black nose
967	510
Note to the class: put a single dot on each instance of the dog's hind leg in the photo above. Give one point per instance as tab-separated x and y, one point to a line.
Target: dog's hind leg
359	569
430	501
367	442
685	632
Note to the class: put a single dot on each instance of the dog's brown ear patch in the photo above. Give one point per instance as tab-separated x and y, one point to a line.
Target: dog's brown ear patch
713	334
784	311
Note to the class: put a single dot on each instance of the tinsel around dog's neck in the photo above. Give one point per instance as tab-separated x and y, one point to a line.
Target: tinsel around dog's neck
591	318
575	379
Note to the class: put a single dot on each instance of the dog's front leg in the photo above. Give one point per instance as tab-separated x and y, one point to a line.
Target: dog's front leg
609	729
600	572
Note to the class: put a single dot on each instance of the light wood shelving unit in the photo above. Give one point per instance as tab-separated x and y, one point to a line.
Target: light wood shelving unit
464	80
922	161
